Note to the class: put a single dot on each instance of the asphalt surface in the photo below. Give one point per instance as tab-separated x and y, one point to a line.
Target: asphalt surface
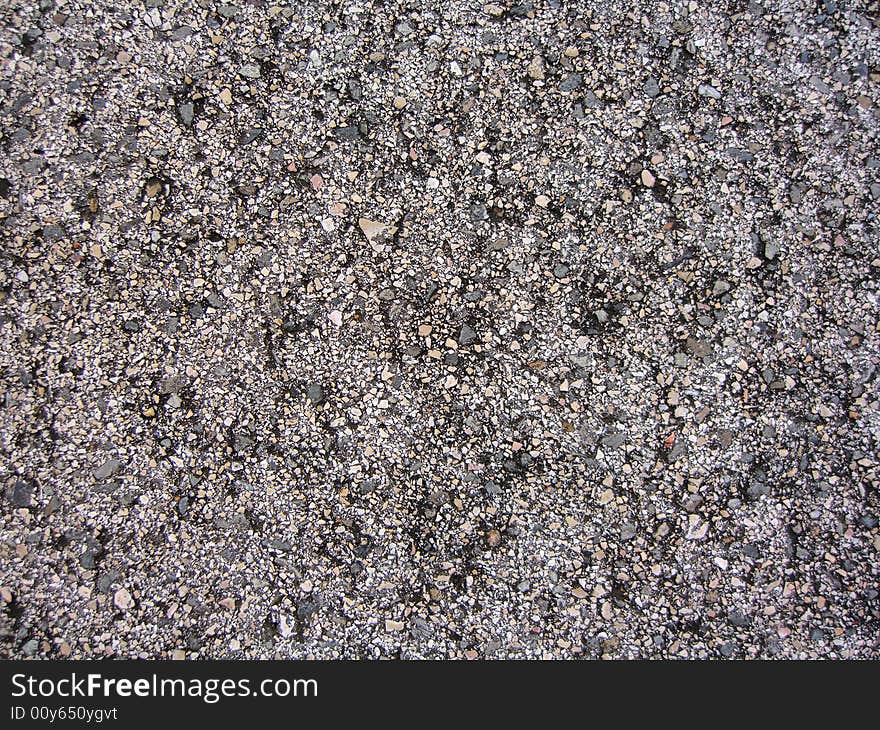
439	330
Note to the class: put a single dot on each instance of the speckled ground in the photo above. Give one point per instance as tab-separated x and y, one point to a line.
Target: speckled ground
380	329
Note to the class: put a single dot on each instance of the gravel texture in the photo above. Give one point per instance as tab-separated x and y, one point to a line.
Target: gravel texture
379	329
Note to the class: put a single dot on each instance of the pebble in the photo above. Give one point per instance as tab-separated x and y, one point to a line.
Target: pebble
372	229
315	394
122	599
708	91
187	113
22	494
536	68
107	469
466	336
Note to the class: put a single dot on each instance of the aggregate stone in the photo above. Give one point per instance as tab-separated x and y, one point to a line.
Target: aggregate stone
523	330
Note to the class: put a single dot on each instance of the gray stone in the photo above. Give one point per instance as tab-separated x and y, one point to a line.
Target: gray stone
676	452
171	384
692	503
467	335
250	135
250	71
315	393
757	489
107	469
347	134
22	494
181	32
53	232
571	82
708	91
720	287
479	212
698	347
186	113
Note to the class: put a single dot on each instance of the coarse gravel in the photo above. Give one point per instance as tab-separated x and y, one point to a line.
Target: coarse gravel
382	329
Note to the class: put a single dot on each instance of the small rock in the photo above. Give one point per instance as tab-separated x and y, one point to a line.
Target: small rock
315	393
22	494
692	503
53	232
720	287
606	496
107	469
373	229
697	528
571	82
250	71
536	68
698	347
560	271
186	113
250	135
347	134
479	212
122	599
466	336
